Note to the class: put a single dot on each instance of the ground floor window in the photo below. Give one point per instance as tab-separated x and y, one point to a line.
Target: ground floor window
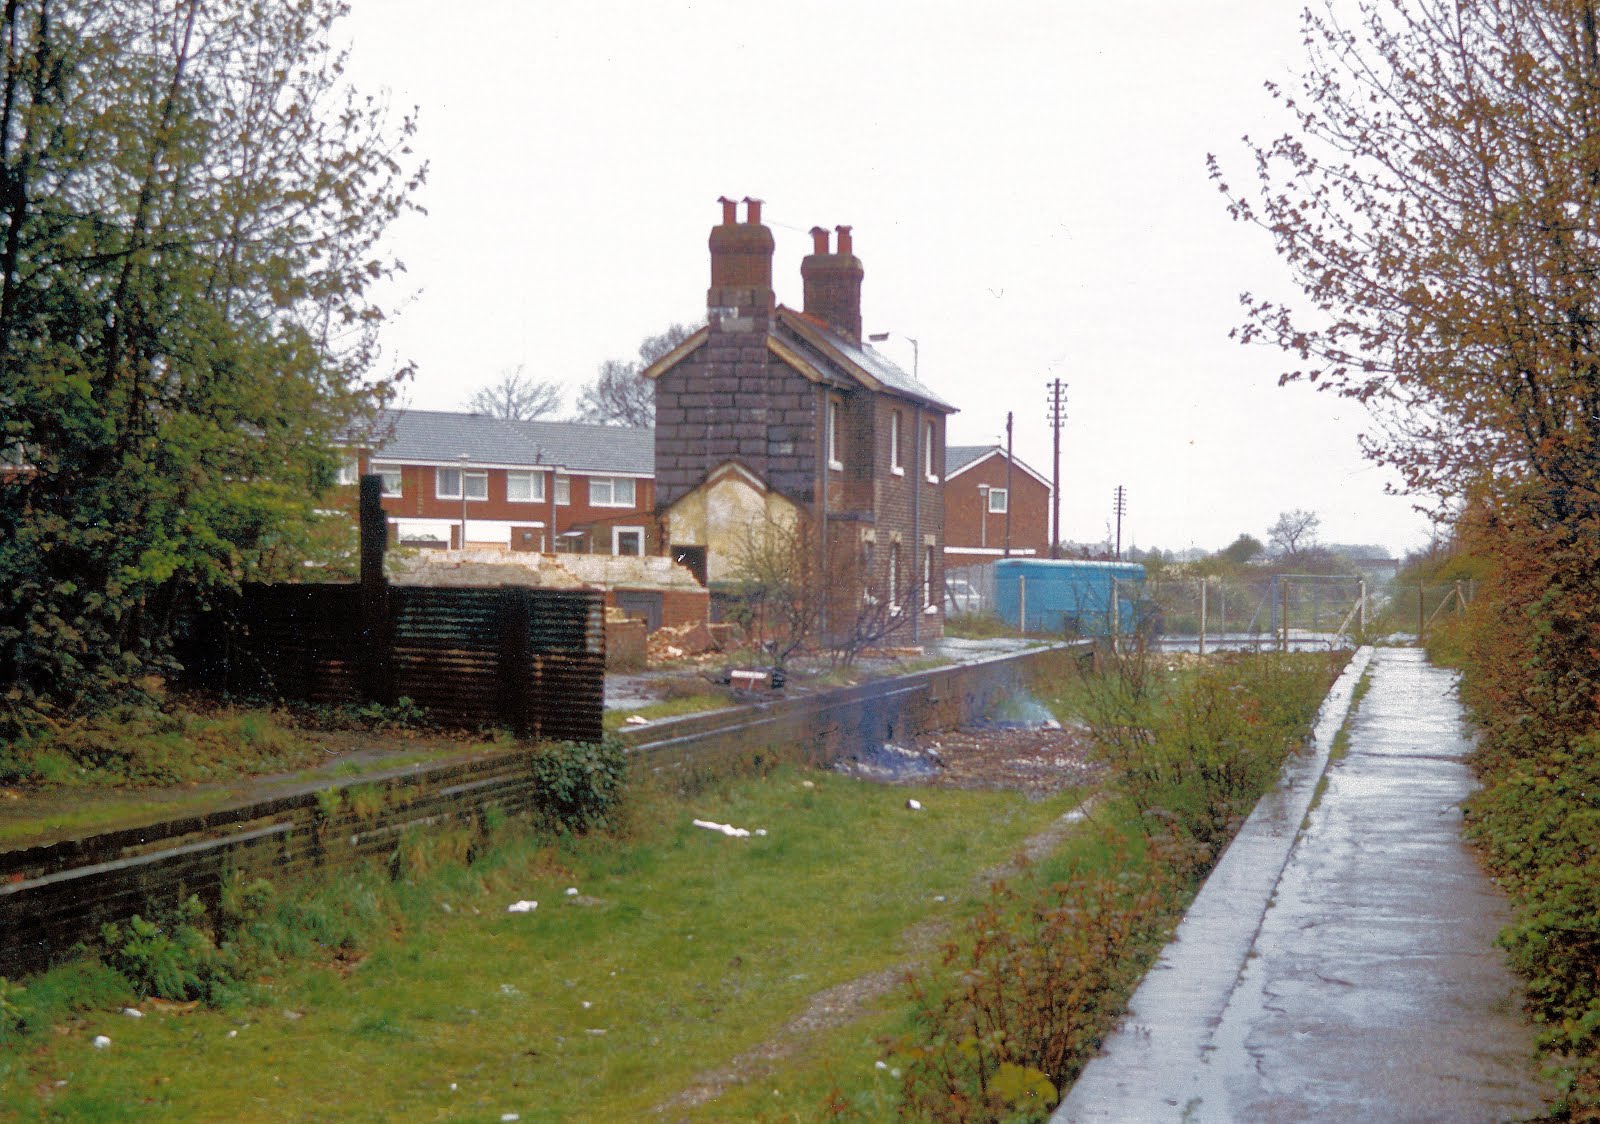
627	540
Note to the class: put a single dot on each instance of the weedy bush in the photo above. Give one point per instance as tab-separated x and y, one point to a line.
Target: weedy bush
1022	1004
175	959
580	783
1023	998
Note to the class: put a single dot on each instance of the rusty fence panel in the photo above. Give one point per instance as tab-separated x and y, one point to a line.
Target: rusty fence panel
531	659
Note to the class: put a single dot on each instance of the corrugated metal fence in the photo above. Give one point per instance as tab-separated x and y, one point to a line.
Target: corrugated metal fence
530	659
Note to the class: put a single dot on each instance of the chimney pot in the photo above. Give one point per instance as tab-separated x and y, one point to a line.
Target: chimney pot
844	241
819	240
730	210
752	211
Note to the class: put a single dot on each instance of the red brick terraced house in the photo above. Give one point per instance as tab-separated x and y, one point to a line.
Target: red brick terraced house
978	497
769	413
541	486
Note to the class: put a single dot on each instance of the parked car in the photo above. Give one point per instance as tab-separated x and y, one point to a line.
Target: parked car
961	598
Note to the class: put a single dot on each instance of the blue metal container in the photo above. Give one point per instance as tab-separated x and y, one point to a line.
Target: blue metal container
1072	598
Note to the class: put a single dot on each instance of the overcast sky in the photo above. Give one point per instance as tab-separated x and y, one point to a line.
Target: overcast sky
1026	183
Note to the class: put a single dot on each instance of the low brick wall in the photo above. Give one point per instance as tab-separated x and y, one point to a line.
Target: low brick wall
55	895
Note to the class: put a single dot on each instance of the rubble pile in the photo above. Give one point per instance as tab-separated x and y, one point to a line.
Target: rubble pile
697	642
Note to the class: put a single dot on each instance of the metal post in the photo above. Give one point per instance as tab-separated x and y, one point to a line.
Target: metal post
1422	622
1022	602
1116	618
1461	603
1203	584
462	481
1361	607
1283	591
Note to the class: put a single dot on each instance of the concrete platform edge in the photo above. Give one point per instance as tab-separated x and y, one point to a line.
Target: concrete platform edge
1179	1004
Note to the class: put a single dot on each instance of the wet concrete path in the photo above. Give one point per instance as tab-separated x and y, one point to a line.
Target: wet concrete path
1346	972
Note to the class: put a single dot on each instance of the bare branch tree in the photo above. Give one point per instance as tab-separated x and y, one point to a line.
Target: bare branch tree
1295	532
516	396
619	395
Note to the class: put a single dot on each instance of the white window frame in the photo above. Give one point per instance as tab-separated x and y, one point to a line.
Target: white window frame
610	483
616	539
834	460
472	481
894	578
388	472
896	464
1005	501
439	475
563	486
535	481
350	469
927	457
927	578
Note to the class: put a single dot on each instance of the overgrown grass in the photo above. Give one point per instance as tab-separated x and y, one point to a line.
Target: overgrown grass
192	739
615	720
978	626
682	948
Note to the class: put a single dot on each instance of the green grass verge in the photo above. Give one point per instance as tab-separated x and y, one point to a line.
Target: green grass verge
684	948
614	720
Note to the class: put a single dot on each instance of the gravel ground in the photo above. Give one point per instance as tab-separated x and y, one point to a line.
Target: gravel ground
1034	760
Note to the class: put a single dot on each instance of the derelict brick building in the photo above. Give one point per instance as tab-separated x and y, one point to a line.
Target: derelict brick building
767	410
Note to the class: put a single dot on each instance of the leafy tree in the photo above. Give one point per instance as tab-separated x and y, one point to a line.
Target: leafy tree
1437	200
191	200
618	395
1294	532
1241	550
516	396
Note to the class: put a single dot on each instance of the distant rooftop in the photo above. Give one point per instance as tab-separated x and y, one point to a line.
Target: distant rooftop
441	437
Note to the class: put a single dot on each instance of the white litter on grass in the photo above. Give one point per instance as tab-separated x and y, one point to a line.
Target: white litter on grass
727	829
233	1034
638	720
133	1012
880	1065
101	1042
452	1086
914	805
572	891
508	1116
761	831
522	907
587	1004
509	989
595	1031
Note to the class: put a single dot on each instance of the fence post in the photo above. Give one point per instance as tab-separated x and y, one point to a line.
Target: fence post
1422	621
1022	603
377	684
1203	584
516	670
1283	637
1361	607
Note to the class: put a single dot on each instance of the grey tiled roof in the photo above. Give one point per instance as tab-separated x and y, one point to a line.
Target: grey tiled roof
872	362
441	437
957	457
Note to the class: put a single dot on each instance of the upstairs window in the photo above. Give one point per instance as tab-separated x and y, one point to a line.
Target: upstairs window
524	487
447	484
350	470
563	490
611	491
999	501
927	455
897	463
393	481
834	461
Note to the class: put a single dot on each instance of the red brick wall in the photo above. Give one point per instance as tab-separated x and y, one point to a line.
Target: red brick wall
964	513
420	500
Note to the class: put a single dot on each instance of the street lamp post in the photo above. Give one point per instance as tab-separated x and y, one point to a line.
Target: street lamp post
462	481
916	349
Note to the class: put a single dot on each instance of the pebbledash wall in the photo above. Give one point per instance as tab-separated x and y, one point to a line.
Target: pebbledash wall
54	895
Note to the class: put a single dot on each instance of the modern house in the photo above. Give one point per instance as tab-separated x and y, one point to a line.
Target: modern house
771	418
990	512
564	487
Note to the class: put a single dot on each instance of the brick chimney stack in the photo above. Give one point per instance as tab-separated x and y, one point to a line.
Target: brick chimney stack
833	283
741	269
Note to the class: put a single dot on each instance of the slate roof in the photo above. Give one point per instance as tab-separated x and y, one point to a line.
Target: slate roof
960	457
850	362
865	360
441	437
